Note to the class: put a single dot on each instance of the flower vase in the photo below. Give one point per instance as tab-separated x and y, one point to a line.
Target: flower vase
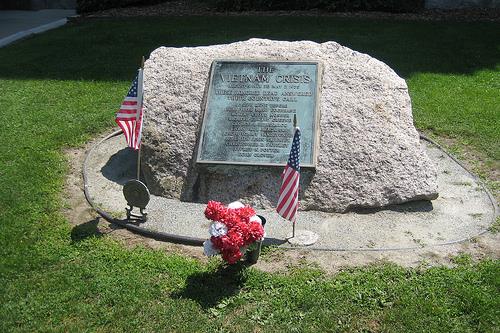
253	253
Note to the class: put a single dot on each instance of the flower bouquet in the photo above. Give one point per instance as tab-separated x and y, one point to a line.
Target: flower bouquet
234	230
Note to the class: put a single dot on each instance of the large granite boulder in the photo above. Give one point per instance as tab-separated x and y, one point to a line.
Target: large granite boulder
369	150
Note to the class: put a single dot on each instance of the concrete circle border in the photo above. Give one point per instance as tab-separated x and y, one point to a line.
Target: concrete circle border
186	240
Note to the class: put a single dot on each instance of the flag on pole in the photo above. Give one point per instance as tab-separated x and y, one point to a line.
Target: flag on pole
288	201
129	117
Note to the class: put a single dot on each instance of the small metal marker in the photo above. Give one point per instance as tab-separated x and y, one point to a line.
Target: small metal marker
303	238
137	195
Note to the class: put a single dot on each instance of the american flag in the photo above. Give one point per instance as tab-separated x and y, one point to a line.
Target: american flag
129	117
288	201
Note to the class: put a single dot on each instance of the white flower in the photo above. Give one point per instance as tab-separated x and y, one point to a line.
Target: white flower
235	205
217	229
208	248
255	218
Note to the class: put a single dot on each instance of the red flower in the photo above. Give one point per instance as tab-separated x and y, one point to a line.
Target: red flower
214	211
236	237
241	232
245	213
230	218
231	256
217	242
255	232
241	227
229	243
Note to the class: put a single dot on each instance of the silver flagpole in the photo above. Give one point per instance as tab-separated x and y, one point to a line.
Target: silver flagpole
139	163
135	192
139	109
301	237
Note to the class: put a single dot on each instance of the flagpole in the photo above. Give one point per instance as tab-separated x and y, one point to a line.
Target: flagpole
139	163
295	217
301	237
140	111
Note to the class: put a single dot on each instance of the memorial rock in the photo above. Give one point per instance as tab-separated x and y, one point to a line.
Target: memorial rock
368	151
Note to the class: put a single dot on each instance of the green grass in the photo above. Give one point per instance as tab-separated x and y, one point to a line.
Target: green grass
61	88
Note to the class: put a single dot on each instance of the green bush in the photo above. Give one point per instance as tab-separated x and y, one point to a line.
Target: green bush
396	6
85	6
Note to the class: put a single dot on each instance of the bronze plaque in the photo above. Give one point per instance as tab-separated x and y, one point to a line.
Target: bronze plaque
249	112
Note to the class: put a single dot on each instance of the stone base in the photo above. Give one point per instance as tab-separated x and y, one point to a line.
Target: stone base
303	238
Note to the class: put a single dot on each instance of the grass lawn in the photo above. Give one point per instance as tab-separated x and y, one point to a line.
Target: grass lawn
61	88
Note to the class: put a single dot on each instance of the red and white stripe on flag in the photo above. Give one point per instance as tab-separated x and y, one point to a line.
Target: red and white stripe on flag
288	201
129	117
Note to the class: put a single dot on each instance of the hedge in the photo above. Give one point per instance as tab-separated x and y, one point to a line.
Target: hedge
395	6
85	6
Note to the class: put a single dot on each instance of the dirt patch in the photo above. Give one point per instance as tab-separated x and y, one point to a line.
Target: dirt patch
184	8
478	163
86	222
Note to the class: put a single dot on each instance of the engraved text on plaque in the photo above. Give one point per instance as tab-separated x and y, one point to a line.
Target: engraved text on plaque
249	112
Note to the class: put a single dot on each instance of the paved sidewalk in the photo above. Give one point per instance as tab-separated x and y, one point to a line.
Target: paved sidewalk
16	24
463	210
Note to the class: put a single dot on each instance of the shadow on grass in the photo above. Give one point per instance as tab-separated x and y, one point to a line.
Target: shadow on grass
107	50
209	288
86	230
